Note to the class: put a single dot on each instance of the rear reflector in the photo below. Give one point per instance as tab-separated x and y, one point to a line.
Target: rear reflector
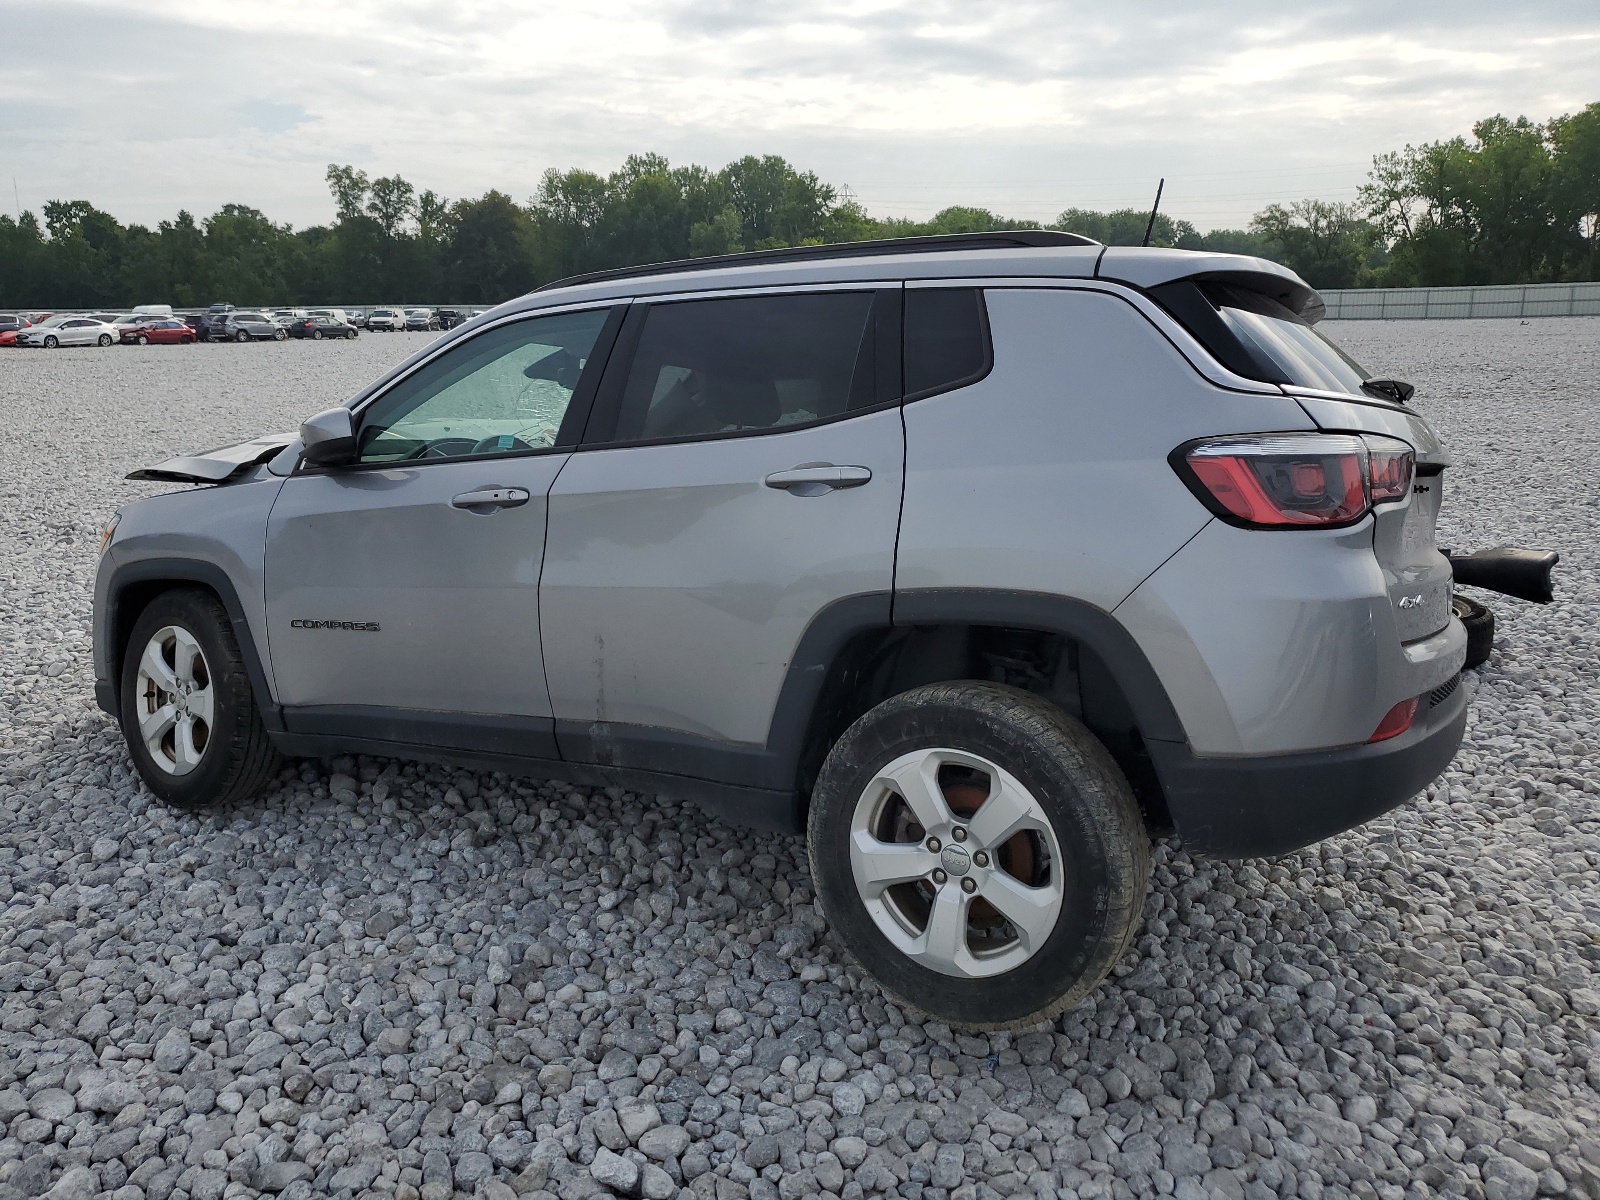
1396	722
1296	480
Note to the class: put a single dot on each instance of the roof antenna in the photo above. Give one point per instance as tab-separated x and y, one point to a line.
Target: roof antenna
1150	228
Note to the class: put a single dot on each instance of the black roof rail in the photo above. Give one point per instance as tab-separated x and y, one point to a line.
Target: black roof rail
1009	239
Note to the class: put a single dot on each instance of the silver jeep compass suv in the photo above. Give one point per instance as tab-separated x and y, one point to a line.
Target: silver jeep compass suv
981	559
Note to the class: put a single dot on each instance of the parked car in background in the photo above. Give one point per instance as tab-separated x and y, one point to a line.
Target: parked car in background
288	316
66	330
320	327
168	332
356	317
152	310
129	321
389	320
196	322
448	318
246	327
337	314
10	324
421	319
220	307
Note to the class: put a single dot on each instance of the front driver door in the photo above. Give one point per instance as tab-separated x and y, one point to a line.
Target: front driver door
402	591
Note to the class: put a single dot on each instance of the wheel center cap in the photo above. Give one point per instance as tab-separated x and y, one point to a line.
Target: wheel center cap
955	860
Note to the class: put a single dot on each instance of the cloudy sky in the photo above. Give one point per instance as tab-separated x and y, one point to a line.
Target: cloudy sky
1025	107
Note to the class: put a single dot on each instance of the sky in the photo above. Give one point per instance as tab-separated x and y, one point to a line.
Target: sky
1024	107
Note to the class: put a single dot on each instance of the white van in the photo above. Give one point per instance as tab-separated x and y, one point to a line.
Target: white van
152	310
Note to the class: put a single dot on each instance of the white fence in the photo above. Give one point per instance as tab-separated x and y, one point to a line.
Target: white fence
1499	300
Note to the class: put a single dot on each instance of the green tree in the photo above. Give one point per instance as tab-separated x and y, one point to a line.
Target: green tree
1326	244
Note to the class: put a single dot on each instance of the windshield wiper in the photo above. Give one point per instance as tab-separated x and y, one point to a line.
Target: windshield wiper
1397	390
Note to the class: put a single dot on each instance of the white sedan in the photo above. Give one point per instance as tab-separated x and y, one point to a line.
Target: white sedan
69	331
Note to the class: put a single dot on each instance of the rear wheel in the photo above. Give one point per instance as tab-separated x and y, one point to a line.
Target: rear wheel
142	340
1479	622
189	715
316	335
978	852
241	336
104	339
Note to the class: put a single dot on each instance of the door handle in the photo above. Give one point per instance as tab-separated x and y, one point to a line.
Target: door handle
812	479
484	499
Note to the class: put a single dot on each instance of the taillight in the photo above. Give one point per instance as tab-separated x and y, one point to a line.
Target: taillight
1396	721
1295	480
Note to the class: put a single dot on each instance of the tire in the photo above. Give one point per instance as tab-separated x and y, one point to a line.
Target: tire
142	340
280	336
316	335
104	339
216	750
50	343
354	333
1083	849
1480	630
241	336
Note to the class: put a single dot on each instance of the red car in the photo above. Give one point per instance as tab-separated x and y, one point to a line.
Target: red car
10	325
171	331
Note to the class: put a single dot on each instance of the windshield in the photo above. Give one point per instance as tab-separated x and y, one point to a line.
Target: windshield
52	322
1303	355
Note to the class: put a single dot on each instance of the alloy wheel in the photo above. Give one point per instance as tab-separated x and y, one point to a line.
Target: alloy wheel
175	702
956	863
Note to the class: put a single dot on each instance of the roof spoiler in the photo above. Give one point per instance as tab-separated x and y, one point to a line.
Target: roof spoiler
216	466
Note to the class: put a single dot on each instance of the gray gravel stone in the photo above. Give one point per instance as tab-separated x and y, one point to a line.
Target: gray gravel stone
436	980
613	1171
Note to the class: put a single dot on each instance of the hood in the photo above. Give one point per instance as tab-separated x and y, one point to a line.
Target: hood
216	466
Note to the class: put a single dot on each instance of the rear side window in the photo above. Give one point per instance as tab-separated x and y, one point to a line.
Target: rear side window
1255	336
946	340
754	363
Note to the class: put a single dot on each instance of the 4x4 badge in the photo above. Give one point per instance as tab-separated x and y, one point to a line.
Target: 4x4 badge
1410	601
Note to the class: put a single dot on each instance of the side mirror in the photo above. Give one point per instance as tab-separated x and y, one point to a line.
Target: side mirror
329	438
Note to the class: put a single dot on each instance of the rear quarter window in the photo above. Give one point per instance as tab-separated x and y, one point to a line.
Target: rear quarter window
946	340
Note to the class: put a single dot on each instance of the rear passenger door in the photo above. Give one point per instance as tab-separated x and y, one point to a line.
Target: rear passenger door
741	474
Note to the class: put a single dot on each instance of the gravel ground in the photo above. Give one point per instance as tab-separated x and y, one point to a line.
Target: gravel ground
392	981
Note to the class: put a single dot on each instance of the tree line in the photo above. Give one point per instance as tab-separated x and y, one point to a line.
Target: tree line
1515	203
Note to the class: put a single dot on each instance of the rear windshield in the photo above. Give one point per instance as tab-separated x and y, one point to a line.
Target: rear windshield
1273	332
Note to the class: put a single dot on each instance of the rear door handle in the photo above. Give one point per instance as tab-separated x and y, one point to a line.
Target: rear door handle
812	479
484	499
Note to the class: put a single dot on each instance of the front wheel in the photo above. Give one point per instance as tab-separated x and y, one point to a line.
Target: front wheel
979	853
142	340
188	713
51	342
279	336
241	336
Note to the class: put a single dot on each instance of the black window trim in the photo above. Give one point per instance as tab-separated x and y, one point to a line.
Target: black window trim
572	421
607	408
985	332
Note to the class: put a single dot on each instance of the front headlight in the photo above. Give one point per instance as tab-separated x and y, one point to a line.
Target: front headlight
110	531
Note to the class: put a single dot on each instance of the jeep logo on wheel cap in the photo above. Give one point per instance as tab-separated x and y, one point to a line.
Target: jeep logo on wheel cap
955	860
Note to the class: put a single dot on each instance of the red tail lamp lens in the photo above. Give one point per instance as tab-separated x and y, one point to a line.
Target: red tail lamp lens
1286	480
1298	480
1396	721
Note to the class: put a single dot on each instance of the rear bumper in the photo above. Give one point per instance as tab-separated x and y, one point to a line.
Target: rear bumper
1260	806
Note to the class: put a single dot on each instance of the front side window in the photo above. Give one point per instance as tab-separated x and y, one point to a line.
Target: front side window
503	392
749	363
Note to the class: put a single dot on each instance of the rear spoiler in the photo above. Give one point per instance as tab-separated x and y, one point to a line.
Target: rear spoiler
216	466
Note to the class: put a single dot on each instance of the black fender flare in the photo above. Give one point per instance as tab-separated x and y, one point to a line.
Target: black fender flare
842	620
179	571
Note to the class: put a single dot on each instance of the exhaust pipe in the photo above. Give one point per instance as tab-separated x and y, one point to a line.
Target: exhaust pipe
1509	570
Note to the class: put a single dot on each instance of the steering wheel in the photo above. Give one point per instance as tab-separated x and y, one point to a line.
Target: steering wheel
501	444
